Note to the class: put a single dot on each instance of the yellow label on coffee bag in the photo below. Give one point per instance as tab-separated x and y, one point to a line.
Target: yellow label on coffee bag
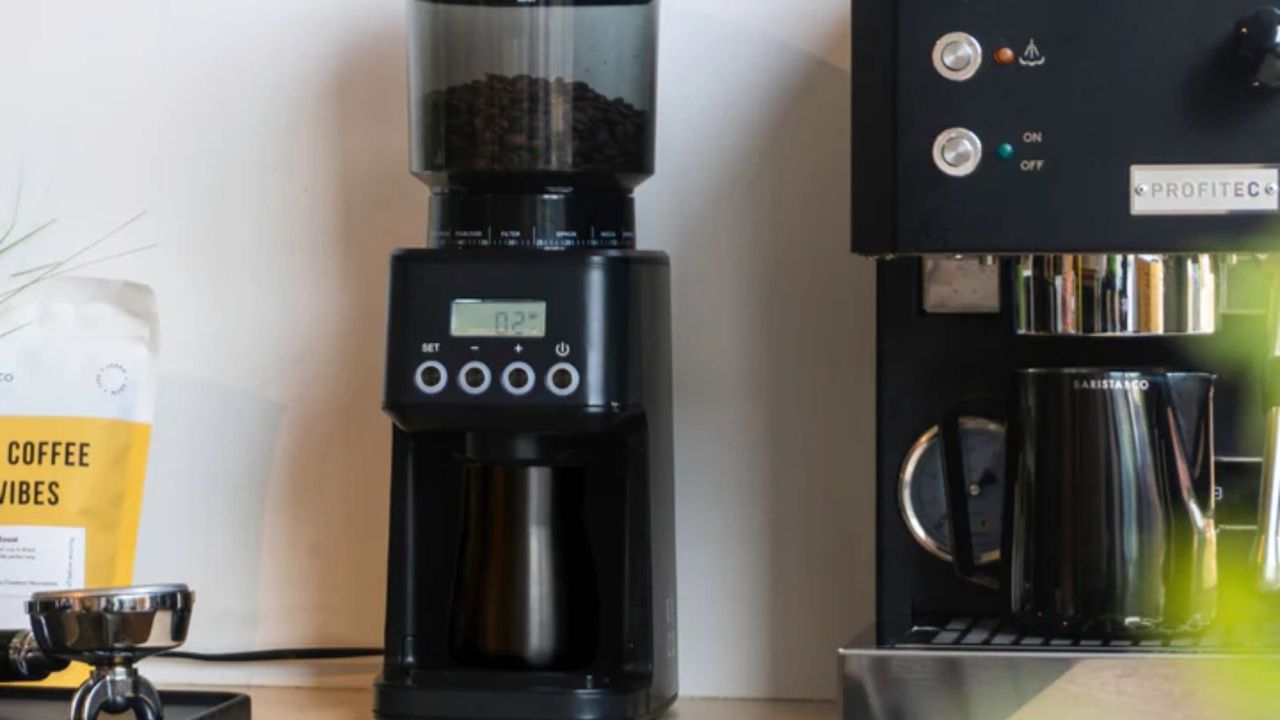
70	495
82	473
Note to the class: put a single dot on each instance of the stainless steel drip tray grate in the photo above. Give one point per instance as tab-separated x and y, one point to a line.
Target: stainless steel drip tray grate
986	668
998	634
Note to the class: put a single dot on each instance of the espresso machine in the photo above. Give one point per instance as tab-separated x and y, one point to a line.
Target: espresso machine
532	562
1071	206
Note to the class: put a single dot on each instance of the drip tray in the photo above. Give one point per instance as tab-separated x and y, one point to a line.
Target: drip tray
1002	635
984	669
26	703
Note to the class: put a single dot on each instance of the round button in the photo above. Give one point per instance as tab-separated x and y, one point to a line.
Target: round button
563	379
518	378
474	378
957	152
957	56
431	377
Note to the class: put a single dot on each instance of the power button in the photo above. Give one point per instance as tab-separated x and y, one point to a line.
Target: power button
957	152
563	380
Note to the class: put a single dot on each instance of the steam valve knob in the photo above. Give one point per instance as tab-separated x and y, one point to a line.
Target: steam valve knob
1258	38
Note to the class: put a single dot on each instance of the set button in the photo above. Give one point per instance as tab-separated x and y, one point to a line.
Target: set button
431	377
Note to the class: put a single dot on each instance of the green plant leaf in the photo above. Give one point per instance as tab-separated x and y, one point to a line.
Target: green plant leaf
6	333
54	268
87	263
6	248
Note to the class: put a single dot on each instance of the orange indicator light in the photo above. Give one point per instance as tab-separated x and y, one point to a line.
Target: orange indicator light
1005	56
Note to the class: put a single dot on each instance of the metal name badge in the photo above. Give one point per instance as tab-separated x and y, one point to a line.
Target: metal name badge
1204	189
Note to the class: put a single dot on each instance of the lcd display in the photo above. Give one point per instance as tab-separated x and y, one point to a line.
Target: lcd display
499	319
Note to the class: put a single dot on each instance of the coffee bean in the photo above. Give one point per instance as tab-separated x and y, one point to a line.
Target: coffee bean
517	123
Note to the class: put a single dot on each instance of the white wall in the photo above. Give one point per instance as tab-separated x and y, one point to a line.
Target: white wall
267	140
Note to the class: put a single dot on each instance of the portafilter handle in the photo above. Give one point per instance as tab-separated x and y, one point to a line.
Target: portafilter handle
24	661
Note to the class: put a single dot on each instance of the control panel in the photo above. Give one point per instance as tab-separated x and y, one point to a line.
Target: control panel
1032	126
505	329
506	378
486	360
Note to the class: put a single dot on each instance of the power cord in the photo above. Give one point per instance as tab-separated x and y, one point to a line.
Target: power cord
277	655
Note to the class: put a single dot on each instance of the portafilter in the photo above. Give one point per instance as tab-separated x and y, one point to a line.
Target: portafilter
111	630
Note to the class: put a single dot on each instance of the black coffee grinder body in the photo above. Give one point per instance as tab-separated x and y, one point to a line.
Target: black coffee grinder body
532	560
532	552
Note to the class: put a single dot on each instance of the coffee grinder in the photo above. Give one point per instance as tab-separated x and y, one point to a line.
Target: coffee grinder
1065	201
532	561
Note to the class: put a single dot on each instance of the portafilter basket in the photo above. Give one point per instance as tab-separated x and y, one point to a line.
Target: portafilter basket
111	630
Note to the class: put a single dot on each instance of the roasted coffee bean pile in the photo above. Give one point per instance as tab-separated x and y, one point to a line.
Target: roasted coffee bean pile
514	123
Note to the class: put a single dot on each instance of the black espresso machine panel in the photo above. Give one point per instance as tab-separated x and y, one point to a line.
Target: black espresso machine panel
1010	126
994	139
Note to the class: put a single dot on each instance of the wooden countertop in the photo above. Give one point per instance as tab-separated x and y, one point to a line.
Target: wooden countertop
317	704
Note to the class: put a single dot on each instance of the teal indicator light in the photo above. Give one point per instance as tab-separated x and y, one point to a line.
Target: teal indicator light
1005	151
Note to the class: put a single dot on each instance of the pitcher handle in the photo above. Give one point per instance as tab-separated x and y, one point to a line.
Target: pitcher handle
957	494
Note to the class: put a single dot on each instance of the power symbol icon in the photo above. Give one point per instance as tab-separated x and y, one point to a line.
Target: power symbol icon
563	349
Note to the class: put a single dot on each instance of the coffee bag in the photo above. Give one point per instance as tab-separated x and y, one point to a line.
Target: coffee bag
77	393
